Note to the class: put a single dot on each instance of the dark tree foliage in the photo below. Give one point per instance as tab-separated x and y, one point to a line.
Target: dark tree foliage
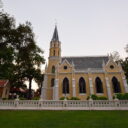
20	57
7	28
39	78
124	64
28	55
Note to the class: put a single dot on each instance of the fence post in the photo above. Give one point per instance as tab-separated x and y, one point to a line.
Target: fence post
117	105
90	103
16	102
65	103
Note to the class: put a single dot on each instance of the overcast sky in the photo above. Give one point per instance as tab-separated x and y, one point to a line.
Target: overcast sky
86	27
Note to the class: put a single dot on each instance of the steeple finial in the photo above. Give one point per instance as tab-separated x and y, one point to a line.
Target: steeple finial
55	34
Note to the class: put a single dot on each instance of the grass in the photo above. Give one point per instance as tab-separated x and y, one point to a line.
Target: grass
63	119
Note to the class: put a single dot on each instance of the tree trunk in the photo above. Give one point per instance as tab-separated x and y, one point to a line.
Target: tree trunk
41	87
30	89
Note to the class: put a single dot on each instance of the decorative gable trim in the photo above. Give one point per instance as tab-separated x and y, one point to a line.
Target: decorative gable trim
66	61
111	61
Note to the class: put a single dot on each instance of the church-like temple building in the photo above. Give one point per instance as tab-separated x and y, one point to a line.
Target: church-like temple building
81	76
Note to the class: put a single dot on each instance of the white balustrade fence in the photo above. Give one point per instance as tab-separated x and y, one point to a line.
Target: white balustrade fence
63	105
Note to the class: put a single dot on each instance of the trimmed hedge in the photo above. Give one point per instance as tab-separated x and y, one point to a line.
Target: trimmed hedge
62	98
74	98
122	96
94	97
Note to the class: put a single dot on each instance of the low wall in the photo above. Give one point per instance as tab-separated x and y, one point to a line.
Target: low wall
63	105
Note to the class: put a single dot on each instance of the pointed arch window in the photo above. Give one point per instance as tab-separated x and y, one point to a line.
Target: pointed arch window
65	86
52	82
54	53
99	86
116	85
53	69
82	85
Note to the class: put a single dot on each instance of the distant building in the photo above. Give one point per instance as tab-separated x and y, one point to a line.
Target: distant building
4	89
81	76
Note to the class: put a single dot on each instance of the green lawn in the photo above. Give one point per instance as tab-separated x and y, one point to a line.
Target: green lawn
63	119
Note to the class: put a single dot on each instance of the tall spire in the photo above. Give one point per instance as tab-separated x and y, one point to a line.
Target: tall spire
55	35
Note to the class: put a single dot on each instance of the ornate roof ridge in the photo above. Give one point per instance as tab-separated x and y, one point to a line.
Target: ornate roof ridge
85	56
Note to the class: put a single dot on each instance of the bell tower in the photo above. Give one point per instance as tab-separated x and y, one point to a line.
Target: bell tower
54	51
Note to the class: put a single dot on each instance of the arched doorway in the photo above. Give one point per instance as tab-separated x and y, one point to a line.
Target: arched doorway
99	86
116	85
65	86
82	85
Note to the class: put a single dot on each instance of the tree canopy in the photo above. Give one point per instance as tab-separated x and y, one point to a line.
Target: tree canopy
20	56
123	62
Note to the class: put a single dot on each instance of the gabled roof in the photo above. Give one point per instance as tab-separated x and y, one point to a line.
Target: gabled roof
3	83
55	35
82	63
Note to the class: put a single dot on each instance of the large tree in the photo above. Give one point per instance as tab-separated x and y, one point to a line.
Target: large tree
124	64
20	57
30	55
39	78
116	56
7	28
126	48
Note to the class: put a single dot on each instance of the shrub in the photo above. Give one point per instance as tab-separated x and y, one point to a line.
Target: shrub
88	97
22	98
62	98
113	97
94	97
74	98
35	98
122	96
102	98
126	96
4	98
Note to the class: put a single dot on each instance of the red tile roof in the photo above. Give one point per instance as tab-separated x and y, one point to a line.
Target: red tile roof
3	83
15	89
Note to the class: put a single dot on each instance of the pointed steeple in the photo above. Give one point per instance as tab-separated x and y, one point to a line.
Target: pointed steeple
55	44
55	35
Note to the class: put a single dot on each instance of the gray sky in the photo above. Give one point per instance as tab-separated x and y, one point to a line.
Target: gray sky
86	27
